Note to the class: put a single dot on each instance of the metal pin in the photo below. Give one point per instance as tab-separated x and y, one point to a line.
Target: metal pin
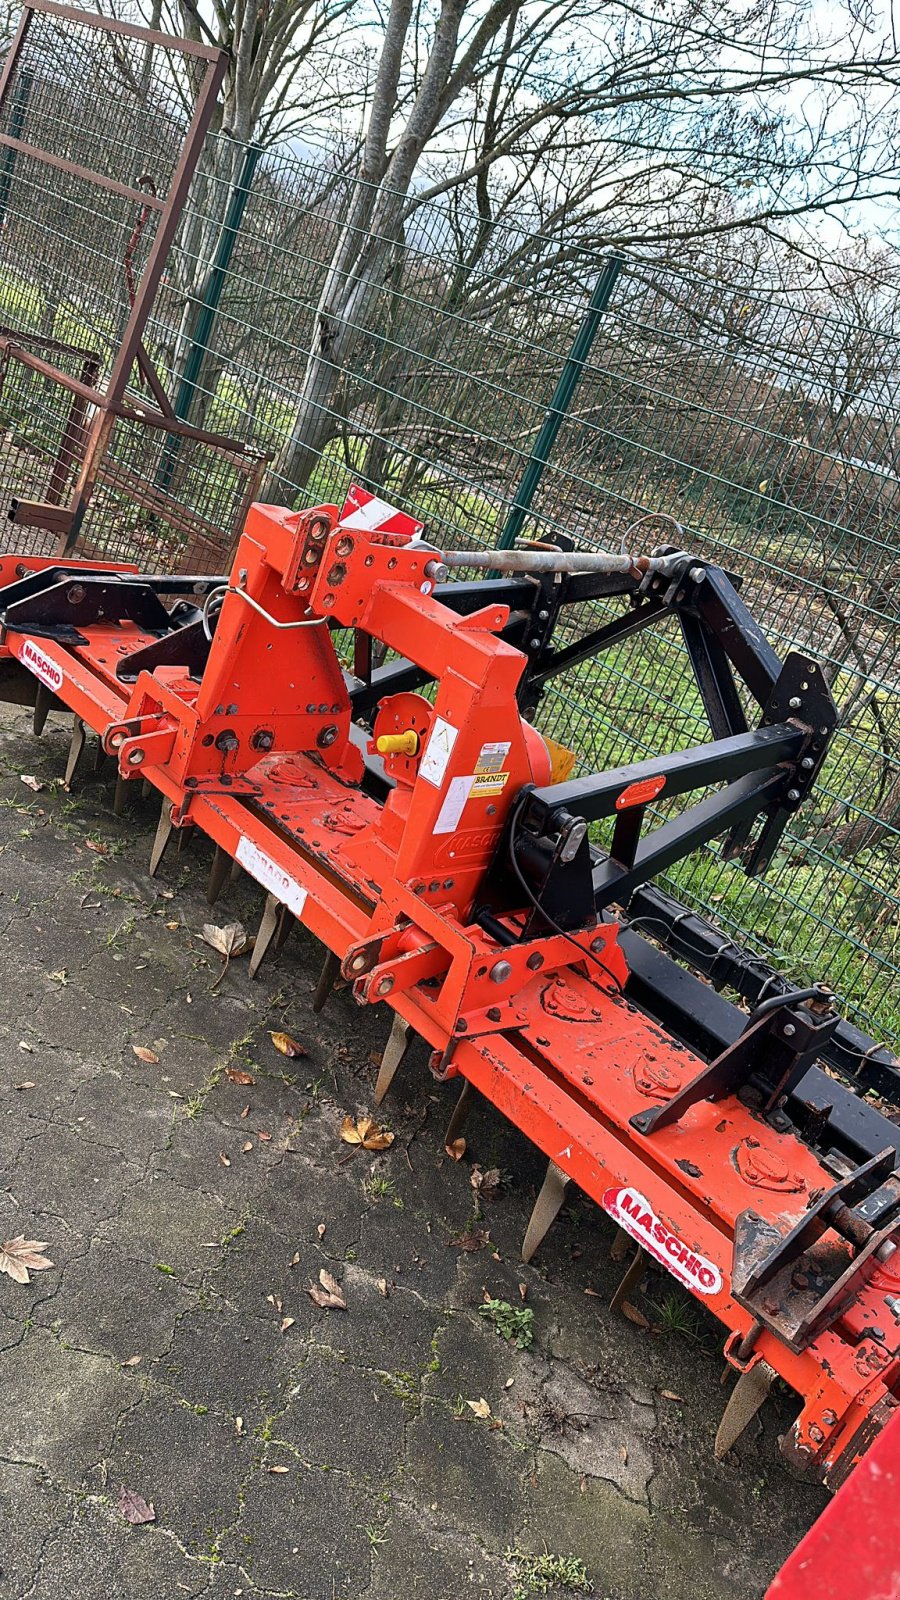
43	700
76	750
218	873
459	1113
746	1398
630	1279
267	931
547	1207
328	977
162	837
401	1037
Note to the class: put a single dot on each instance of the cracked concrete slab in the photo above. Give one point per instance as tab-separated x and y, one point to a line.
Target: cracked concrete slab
173	1243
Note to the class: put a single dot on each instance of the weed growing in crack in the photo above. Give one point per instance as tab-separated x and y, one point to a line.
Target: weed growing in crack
515	1324
544	1573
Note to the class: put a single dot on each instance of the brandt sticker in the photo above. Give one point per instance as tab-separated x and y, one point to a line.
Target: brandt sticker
489	782
454	804
433	764
43	667
271	876
636	1215
491	757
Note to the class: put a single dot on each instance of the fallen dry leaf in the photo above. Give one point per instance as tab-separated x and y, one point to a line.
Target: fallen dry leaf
31	782
238	1424
320	1230
134	1508
24	1045
669	1394
523	1291
480	1408
471	1239
287	1322
485	1184
98	847
295	1259
225	1160
27	1084
365	1133
266	1137
173	926
278	1469
287	1046
633	1314
133	1361
456	1149
329	1295
61	977
238	1075
274	1301
382	1287
229	941
247	1145
246	1111
143	1054
19	1255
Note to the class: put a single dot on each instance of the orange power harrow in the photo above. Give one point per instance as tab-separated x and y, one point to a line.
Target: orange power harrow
440	849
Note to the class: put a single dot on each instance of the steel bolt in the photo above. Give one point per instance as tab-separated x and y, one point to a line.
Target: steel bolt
543	616
437	571
597	945
697	574
793	794
500	971
493	1013
327	736
385	985
535	644
789	1030
807	764
795	702
75	594
534	961
816	1434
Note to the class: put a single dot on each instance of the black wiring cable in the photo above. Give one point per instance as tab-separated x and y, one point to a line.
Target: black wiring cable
533	898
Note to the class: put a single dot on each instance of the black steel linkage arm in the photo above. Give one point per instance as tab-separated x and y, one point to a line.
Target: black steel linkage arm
602	794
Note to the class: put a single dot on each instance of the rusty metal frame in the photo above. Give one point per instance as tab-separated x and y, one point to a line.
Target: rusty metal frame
108	401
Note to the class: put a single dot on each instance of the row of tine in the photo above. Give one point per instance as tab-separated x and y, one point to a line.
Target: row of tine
753	1386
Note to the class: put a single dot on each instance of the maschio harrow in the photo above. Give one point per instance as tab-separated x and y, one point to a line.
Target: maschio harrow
439	847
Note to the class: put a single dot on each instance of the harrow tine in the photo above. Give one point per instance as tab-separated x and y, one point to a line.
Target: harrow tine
620	1246
401	1037
43	700
630	1278
331	971
99	756
272	917
746	1399
121	795
460	1112
547	1207
218	873
163	835
146	788
76	750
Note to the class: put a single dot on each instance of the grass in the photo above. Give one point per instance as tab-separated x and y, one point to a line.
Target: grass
547	1573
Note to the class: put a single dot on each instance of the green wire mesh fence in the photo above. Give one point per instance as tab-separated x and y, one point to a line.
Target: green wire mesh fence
763	423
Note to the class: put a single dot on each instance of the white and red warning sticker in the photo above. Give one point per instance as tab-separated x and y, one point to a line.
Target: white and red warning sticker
362	509
42	665
633	1212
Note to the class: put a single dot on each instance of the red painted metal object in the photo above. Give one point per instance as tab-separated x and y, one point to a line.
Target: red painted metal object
410	848
852	1552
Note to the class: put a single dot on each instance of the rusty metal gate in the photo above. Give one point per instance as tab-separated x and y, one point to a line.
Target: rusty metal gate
101	126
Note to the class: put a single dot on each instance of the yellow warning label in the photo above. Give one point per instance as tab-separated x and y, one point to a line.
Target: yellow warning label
562	761
488	782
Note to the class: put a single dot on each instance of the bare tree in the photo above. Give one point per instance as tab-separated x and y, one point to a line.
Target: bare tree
573	128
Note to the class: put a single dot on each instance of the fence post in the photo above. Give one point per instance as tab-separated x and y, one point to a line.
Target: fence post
566	385
207	311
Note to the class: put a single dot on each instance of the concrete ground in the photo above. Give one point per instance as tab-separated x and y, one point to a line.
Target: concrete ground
172	1349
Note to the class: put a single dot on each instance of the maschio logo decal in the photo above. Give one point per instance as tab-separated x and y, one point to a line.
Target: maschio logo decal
41	665
636	1215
